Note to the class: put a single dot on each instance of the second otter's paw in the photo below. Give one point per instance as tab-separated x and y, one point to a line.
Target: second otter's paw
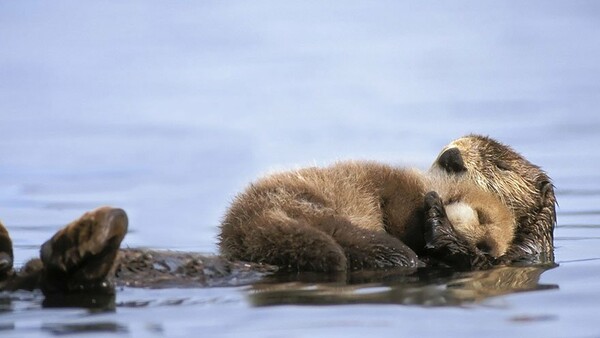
81	255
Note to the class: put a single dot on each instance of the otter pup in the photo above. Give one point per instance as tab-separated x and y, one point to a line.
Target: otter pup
359	215
369	215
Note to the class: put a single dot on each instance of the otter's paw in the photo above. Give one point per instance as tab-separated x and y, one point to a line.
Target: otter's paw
370	250
383	257
81	255
6	253
443	242
437	227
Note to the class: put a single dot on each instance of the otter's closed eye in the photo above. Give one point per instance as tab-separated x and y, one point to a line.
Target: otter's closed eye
482	216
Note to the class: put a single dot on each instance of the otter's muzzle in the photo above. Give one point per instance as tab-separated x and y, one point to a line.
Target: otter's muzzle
452	161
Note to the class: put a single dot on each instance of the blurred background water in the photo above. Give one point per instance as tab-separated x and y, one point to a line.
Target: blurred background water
168	109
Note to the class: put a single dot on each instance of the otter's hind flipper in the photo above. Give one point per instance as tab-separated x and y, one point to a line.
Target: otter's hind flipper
80	256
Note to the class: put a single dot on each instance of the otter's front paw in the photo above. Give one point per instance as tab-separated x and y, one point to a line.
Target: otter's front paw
80	255
443	242
437	227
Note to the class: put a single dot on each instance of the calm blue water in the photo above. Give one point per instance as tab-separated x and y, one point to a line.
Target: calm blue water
168	109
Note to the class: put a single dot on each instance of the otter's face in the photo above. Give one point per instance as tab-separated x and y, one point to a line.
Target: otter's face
495	167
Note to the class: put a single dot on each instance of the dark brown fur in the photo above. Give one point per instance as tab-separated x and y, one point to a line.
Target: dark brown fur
84	259
78	258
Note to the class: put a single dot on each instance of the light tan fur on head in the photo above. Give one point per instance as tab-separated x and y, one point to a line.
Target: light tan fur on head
498	169
478	216
522	186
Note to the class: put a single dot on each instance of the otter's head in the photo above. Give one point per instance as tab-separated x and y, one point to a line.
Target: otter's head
522	186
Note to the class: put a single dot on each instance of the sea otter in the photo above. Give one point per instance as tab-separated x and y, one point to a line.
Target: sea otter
85	256
370	215
522	186
356	215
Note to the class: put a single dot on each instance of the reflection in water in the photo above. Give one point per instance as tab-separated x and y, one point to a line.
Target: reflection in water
5	303
63	329
93	302
426	287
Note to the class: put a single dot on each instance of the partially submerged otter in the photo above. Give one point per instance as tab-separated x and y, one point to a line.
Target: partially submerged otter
368	215
84	256
356	215
78	257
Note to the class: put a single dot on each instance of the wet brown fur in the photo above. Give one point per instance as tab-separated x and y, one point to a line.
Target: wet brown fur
78	258
309	219
368	215
355	215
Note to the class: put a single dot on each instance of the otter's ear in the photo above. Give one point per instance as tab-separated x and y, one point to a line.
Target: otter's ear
547	198
546	190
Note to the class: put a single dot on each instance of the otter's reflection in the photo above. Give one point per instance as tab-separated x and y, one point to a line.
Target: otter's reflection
425	287
93	302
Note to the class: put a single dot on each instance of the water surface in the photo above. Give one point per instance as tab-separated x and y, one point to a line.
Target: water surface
167	110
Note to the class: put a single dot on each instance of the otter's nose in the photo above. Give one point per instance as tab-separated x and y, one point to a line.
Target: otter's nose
452	161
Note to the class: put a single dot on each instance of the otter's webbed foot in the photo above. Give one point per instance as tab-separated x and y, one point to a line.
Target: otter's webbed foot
444	244
79	257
